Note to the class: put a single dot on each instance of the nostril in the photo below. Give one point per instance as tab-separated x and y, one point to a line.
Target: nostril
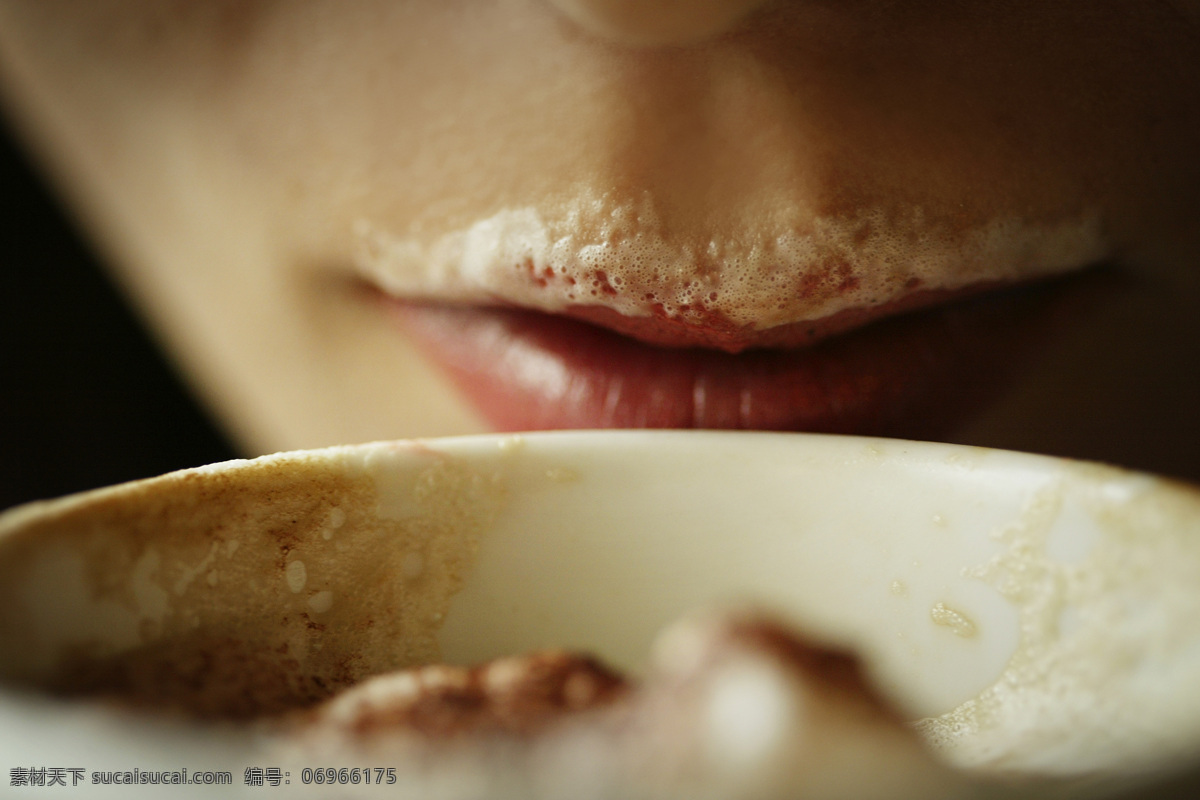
651	23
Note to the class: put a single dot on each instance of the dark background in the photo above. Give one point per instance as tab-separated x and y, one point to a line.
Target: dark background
86	399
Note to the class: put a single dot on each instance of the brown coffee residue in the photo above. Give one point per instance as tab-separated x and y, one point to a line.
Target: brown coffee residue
248	589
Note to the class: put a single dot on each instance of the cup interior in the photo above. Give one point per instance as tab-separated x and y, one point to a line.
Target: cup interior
1024	611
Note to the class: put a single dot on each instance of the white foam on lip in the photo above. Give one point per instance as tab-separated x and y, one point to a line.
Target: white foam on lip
596	250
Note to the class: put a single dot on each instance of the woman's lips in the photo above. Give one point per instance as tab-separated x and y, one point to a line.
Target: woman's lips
913	376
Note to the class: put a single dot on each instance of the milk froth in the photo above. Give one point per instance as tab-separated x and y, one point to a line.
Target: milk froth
597	250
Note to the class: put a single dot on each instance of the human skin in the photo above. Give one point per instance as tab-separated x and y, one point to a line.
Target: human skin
258	173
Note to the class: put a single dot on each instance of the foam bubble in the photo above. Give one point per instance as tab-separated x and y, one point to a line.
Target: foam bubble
598	250
958	622
296	575
321	602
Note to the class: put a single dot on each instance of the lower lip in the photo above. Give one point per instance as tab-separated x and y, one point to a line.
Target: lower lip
913	376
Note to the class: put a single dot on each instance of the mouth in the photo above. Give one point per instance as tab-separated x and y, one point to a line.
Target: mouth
915	374
606	313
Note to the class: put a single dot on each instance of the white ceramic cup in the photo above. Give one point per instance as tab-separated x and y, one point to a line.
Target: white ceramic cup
1037	620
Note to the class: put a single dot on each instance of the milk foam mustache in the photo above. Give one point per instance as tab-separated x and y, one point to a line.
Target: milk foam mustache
599	250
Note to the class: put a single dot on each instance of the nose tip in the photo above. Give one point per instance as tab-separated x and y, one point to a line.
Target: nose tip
651	23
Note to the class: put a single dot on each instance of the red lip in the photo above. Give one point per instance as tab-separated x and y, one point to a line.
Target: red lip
911	376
